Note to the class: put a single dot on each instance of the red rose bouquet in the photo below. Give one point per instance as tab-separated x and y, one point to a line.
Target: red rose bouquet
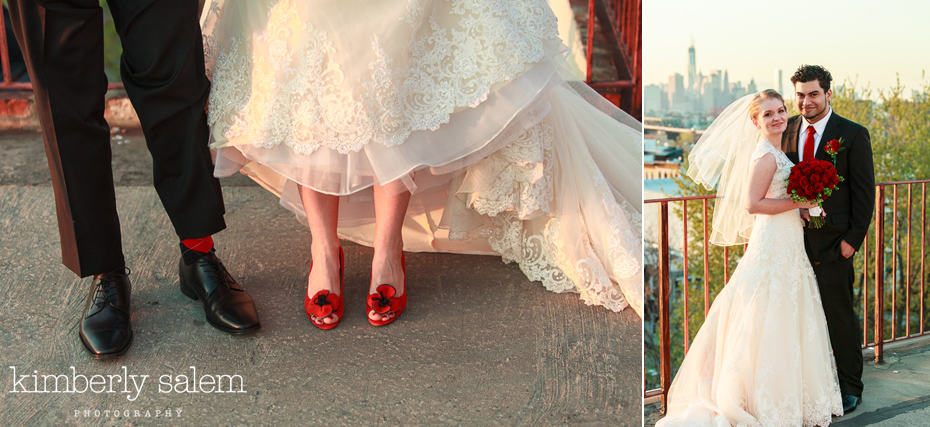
814	180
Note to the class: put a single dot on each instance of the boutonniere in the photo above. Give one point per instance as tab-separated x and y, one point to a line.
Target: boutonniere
833	148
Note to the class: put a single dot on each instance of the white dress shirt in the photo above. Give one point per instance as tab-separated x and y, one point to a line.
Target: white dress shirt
818	132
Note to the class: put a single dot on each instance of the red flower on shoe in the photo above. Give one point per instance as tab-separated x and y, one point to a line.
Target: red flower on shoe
380	302
323	303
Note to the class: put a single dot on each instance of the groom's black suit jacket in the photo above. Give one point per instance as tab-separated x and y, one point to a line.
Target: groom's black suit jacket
849	209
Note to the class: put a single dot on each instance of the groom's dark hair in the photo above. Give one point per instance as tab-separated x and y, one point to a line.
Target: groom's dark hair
808	73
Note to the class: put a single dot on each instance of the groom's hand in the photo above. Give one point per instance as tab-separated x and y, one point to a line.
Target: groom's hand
805	215
846	249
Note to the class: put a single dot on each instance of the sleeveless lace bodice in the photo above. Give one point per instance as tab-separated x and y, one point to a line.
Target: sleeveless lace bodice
787	227
778	189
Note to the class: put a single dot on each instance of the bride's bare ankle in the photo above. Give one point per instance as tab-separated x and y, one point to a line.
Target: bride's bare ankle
325	243
324	250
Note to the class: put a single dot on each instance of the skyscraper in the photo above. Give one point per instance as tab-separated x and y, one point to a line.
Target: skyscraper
726	84
653	98
779	82
677	97
692	70
713	95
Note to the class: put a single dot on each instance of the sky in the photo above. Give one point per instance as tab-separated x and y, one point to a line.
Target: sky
869	43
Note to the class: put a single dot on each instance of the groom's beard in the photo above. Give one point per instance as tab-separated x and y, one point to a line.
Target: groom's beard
815	116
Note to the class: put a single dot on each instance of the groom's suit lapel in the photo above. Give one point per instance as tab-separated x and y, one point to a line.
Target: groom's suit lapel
830	132
791	136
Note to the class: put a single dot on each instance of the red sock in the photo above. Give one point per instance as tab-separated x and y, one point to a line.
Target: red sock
203	244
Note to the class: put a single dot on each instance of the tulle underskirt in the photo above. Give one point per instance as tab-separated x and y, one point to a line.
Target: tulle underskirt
561	201
460	103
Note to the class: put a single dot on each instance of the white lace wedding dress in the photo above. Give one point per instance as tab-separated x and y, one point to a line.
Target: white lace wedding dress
460	101
762	356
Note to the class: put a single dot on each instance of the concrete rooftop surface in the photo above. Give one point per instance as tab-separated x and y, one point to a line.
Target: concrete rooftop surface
479	344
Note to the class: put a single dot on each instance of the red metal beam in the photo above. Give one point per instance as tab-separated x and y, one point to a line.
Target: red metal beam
4	52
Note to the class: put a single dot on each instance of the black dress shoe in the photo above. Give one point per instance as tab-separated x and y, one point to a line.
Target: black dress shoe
227	306
105	330
850	402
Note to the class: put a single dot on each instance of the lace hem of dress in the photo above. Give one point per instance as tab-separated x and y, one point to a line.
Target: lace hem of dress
295	94
816	412
437	75
513	190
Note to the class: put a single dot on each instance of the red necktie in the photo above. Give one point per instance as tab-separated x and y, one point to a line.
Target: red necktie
809	144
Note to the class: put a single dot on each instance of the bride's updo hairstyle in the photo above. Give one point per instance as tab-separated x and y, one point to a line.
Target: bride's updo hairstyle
762	96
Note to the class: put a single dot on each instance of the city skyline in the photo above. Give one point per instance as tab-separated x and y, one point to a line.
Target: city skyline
867	52
697	92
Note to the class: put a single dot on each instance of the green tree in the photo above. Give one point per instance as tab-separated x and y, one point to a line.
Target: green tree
112	49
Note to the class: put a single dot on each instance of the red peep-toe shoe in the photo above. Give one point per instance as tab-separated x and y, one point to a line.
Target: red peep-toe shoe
324	302
384	302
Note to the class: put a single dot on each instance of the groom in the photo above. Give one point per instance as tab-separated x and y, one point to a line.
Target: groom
848	214
162	68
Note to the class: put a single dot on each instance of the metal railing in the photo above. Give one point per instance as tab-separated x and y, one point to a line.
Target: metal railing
621	24
906	276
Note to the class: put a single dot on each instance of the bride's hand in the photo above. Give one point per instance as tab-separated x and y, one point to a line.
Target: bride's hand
805	205
805	215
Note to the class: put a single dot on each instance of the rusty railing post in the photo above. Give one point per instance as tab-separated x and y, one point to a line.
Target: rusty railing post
879	274
684	287
907	267
4	51
706	265
894	261
665	361
923	246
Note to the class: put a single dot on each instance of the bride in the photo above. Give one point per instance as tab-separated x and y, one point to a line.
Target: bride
430	125
762	356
